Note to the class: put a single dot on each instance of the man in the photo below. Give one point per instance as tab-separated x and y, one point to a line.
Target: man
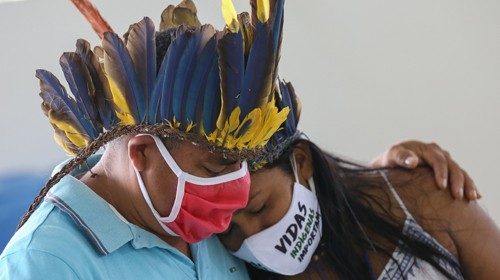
179	113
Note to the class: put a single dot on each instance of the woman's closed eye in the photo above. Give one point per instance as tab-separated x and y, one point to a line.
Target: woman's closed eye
258	209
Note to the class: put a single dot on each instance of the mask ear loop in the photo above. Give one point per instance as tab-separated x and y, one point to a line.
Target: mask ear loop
179	193
294	167
310	181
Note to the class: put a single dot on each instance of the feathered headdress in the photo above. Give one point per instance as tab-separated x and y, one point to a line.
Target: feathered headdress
218	87
288	133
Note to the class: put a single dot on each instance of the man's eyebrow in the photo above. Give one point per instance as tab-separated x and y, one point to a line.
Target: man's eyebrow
226	161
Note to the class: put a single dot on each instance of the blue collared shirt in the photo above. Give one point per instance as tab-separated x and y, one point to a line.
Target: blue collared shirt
75	234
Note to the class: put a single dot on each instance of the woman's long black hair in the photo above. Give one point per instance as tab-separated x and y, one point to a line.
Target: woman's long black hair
348	214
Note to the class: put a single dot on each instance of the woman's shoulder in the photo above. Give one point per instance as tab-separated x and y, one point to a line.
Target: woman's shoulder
456	224
432	208
428	203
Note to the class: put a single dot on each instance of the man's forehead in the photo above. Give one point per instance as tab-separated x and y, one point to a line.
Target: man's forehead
218	157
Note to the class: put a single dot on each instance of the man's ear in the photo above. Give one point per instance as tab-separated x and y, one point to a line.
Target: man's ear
139	148
303	158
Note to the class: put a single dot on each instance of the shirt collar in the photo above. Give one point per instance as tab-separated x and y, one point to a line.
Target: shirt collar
97	220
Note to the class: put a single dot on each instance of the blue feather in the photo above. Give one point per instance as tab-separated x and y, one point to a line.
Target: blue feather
102	94
278	24
232	71
80	83
259	71
164	85
183	76
51	89
120	68
142	49
204	64
212	101
286	101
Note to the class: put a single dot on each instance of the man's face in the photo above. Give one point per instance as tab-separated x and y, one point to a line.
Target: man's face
160	180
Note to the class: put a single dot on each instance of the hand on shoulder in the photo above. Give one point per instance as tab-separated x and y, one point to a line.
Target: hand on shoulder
464	227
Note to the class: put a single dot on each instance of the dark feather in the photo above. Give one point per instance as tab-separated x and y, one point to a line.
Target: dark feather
247	29
278	26
163	92
120	68
259	71
184	74
80	83
103	97
142	49
206	57
56	99
212	101
232	73
286	101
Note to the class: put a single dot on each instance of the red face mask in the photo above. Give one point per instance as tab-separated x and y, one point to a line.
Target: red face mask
202	206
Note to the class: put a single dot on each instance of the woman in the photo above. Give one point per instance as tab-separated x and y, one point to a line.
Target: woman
312	215
360	227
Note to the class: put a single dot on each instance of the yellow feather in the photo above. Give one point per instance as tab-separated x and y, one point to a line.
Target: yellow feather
271	122
71	132
124	113
230	16
259	165
254	117
263	124
262	128
277	120
234	119
61	143
263	10
212	137
190	126
174	123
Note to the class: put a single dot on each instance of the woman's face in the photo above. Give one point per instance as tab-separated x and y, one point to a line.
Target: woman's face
270	198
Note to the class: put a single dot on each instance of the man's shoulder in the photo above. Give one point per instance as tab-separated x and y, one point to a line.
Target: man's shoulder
48	230
219	262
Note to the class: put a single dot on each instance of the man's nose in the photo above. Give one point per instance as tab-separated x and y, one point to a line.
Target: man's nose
235	166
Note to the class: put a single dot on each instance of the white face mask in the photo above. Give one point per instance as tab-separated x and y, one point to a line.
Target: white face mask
287	246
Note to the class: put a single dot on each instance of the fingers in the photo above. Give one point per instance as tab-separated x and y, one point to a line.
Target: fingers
462	184
447	172
406	158
434	156
470	189
397	155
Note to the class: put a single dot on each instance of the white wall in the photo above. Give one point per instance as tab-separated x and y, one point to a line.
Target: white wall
370	73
